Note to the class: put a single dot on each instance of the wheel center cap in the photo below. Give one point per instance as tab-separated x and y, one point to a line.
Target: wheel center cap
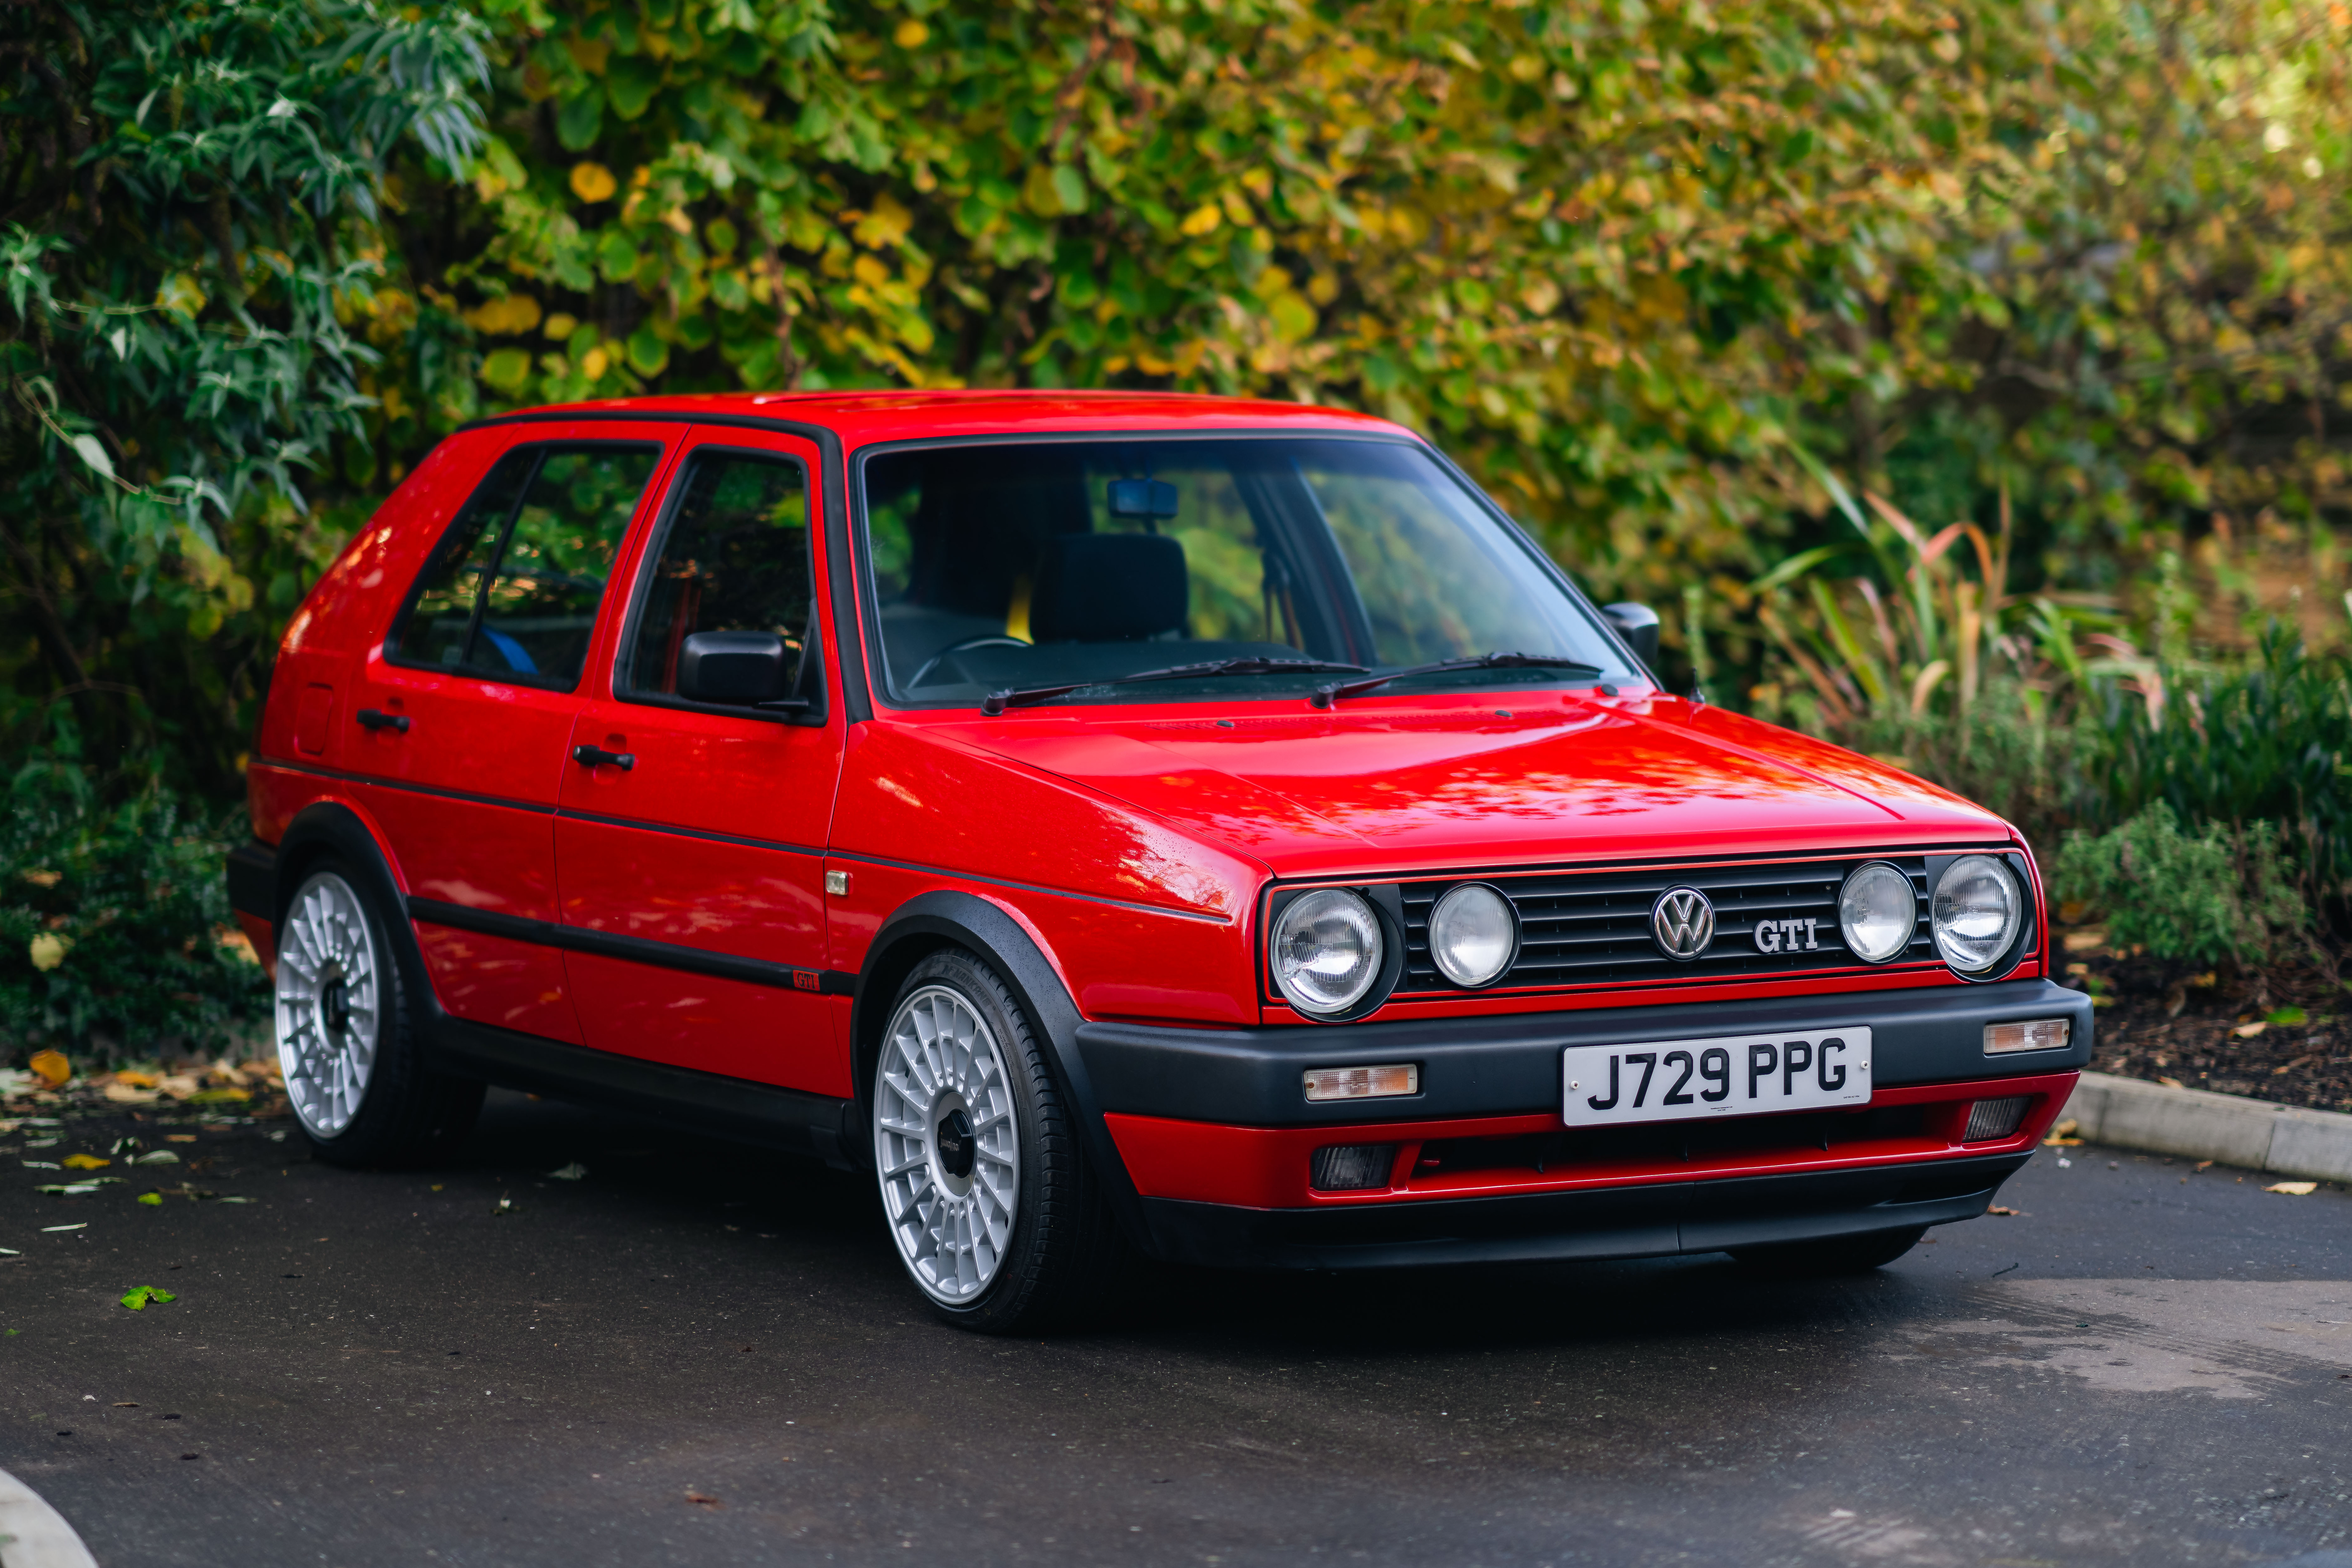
953	1139
335	1007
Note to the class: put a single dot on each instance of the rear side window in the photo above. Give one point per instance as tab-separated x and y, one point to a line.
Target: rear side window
512	590
734	557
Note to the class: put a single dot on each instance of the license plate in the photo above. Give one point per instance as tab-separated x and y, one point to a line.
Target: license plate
1729	1075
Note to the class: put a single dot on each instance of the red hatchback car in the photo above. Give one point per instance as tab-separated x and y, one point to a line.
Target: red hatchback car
1185	824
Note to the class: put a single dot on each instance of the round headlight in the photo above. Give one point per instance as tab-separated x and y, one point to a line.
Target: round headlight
1877	911
1473	933
1326	951
1976	913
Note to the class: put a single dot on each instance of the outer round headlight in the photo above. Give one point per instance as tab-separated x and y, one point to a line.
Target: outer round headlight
1326	951
1877	911
1473	933
1976	913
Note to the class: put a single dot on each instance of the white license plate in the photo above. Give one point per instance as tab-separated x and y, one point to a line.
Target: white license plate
1729	1075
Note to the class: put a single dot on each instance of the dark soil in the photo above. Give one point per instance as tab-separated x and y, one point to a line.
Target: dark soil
2282	1032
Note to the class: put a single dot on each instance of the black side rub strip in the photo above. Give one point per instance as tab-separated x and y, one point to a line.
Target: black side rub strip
634	949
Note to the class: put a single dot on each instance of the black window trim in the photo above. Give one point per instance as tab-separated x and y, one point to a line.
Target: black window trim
398	656
868	592
812	641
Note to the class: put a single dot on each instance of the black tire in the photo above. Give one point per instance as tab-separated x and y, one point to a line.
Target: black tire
1065	1254
1839	1255
406	1114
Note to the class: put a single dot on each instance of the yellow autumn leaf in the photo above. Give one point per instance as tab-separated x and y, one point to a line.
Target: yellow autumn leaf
912	34
1204	219
50	1066
46	951
86	1162
180	295
592	182
885	223
593	363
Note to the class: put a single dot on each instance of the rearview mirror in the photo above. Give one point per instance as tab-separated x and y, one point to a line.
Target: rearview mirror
737	668
1638	624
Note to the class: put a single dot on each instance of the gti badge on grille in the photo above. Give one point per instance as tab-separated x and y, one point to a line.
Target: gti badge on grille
1683	922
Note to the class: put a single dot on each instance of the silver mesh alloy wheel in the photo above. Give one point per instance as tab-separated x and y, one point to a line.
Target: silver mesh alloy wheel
329	1003
946	1144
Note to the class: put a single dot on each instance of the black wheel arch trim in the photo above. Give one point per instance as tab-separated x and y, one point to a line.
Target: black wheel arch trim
946	917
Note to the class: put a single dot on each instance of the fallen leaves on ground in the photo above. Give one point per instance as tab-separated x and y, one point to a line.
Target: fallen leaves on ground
139	1295
86	1162
2294	1189
77	1189
156	1157
704	1500
571	1173
505	1205
2248	1031
51	1068
2062	1135
2000	1210
152	1200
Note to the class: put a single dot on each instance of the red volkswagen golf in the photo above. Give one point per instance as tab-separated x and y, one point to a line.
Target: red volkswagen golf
1185	824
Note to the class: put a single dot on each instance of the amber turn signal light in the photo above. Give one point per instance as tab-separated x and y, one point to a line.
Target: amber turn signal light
1362	1083
2035	1035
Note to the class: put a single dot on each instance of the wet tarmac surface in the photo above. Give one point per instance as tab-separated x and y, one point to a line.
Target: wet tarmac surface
697	1354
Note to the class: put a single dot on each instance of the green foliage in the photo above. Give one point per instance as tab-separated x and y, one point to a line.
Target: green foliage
2223	893
2272	740
195	203
115	931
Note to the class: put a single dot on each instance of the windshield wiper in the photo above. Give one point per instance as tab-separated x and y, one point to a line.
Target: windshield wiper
996	702
1324	696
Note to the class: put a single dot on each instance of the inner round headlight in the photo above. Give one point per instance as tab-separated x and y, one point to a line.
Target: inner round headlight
1877	911
1976	913
1473	933
1326	950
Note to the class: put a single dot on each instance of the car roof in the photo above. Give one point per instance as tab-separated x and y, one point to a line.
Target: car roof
862	417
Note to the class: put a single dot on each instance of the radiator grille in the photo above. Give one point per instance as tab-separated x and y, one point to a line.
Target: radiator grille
1586	928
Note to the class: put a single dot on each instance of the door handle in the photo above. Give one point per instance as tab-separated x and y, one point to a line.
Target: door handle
597	757
377	718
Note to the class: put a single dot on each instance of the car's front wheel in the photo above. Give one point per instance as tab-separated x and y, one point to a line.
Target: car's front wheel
347	1044
1838	1255
1000	1221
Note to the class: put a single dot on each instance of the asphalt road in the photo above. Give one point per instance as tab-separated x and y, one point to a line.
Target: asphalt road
699	1355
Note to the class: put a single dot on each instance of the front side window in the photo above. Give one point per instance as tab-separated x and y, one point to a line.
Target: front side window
513	591
734	557
1019	564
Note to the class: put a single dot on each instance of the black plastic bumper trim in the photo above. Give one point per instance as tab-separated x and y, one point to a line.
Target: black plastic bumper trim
1509	1065
634	949
1651	1221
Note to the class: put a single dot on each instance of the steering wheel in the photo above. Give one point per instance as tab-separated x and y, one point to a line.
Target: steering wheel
992	639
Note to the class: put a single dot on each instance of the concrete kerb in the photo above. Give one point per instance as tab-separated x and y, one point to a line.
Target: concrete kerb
2132	1113
32	1535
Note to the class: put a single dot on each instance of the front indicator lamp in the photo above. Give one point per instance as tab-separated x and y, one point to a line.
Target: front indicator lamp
2034	1035
1326	951
1362	1083
1976	913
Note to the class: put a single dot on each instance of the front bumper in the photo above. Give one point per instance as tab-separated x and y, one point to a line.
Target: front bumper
1216	1135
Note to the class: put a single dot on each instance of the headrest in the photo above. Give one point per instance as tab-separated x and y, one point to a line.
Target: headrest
1108	587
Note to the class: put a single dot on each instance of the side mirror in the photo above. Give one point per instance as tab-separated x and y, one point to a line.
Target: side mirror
740	669
1638	624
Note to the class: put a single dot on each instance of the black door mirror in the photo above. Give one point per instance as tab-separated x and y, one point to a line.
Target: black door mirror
741	670
1638	624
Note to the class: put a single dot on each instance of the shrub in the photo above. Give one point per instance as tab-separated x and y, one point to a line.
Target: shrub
2223	893
116	938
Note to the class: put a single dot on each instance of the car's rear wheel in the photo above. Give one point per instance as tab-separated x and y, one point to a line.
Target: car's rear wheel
347	1043
999	1220
1838	1255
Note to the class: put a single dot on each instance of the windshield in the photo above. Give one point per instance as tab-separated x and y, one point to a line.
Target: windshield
1019	565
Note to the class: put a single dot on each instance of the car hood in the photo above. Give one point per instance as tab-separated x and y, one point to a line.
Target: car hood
1546	779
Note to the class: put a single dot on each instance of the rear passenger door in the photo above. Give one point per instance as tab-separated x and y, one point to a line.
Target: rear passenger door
689	844
460	716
